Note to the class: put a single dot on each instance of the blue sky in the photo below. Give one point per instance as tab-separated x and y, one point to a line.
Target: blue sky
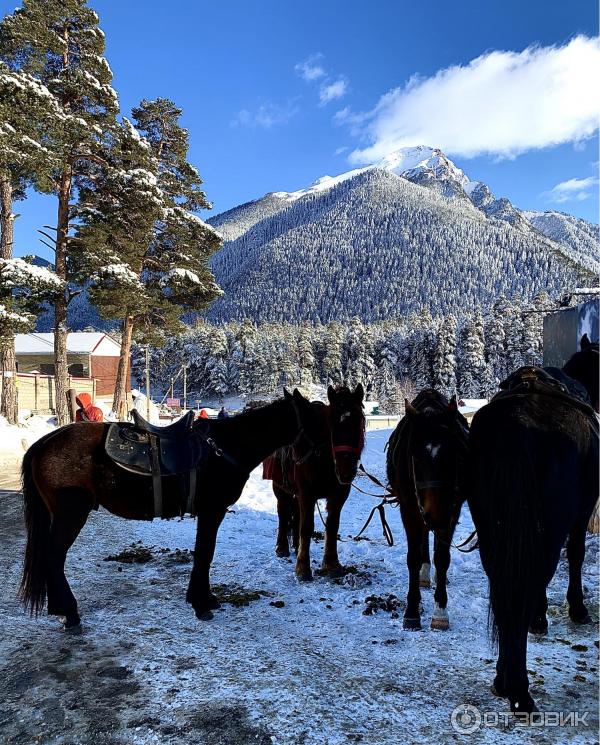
262	121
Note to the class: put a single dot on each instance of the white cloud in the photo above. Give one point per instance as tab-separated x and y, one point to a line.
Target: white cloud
502	103
310	69
267	115
572	190
340	150
332	91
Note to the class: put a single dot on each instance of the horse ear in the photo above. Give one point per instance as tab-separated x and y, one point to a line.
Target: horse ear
330	393
453	405
359	392
298	396
585	342
287	395
409	408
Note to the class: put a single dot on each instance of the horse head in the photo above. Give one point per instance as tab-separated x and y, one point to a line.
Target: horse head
583	366
347	430
309	419
434	459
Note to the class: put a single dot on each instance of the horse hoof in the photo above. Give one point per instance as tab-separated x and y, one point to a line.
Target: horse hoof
538	629
282	553
425	583
305	576
524	707
334	572
424	575
584	620
440	624
495	691
71	622
411	624
205	615
214	603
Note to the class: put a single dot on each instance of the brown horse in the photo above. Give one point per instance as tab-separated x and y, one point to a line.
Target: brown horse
425	468
67	473
319	467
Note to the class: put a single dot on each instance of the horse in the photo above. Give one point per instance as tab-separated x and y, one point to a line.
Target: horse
314	468
67	473
534	468
425	463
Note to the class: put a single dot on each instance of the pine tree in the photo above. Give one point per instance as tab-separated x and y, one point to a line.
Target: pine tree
60	44
332	355
26	109
147	223
306	356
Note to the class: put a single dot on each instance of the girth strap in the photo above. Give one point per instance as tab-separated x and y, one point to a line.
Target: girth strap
156	477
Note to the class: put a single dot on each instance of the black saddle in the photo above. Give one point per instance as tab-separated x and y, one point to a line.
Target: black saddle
147	450
550	382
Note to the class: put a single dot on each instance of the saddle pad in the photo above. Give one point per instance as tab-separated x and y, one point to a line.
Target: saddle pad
130	448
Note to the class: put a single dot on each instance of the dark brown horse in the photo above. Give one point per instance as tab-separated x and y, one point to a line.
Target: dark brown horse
314	468
425	468
67	473
534	485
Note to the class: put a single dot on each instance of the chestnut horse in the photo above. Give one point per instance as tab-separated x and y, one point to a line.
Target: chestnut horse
67	473
425	468
319	467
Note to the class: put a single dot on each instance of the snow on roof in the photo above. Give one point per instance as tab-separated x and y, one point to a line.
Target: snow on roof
77	342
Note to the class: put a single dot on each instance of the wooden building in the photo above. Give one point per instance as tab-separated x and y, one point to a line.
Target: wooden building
90	355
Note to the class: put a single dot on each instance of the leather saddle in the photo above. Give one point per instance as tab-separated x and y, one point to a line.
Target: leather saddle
550	382
147	450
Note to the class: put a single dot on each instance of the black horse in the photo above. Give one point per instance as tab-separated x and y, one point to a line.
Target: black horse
67	473
425	468
534	467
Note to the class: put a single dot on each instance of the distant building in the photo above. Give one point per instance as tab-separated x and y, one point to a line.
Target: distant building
92	355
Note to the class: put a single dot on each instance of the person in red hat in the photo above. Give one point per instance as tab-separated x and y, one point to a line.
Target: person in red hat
87	412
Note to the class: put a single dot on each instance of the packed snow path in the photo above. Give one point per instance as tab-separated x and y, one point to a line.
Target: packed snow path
299	664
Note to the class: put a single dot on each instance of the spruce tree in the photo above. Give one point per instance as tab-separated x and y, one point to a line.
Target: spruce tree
444	364
60	44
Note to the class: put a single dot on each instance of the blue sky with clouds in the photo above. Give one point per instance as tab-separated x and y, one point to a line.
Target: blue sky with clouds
276	94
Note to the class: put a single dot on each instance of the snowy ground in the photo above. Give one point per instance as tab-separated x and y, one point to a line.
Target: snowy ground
300	664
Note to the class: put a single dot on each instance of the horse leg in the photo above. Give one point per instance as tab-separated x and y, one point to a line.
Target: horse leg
441	558
307	526
284	515
575	554
511	680
331	562
539	622
199	594
65	527
295	527
425	572
414	535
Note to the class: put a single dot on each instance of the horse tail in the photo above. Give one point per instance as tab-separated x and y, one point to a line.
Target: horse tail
510	495
32	591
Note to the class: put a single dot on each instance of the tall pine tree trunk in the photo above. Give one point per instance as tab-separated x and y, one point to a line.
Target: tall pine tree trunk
61	368
120	398
8	401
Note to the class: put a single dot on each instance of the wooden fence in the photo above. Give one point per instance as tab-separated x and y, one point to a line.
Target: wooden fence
37	392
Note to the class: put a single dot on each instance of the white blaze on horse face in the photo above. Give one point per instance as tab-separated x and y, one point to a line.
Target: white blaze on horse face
345	415
433	450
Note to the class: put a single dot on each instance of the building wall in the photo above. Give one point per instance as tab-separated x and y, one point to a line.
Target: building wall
104	369
37	392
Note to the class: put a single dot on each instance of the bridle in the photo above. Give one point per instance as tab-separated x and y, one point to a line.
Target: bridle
314	448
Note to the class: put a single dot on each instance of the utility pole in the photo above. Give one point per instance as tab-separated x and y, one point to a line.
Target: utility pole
148	383
185	387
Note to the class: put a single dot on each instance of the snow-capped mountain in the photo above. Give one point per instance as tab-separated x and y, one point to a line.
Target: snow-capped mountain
412	231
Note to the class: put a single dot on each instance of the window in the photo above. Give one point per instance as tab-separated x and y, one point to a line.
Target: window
47	369
76	370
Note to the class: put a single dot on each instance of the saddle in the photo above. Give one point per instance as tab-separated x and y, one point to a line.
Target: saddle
550	382
146	450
